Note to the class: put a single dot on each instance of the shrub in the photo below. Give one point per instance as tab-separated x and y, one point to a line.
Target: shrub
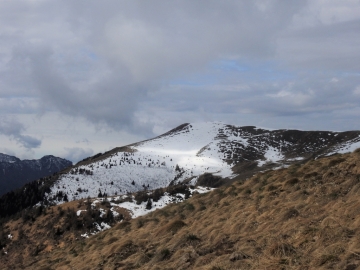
192	237
292	181
123	225
109	217
209	180
291	213
126	250
326	258
164	213
175	226
112	240
165	254
189	206
336	161
105	203
282	249
141	196
140	222
271	188
202	208
172	190
157	194
149	204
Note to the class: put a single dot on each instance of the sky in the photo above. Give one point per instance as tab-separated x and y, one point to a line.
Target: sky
82	77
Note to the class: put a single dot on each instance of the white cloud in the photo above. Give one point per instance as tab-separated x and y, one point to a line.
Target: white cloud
7	151
288	97
327	12
76	154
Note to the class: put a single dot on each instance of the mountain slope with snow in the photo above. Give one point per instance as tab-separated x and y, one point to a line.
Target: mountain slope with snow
191	150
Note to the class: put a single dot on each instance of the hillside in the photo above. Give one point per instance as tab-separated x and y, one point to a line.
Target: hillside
190	150
302	217
15	172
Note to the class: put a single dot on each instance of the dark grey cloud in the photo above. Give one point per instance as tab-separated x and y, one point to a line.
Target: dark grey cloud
325	47
160	40
15	130
139	46
111	100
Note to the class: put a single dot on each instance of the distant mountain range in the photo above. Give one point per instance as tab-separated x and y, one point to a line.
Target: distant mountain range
190	150
14	173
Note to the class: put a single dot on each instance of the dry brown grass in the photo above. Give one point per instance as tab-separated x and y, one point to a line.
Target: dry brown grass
303	217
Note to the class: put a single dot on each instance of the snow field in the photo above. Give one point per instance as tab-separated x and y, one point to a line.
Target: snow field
187	152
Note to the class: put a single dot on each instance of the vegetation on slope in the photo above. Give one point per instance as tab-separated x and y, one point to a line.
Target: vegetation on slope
30	194
303	217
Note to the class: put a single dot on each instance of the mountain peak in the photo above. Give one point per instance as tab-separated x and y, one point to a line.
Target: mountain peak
186	152
8	158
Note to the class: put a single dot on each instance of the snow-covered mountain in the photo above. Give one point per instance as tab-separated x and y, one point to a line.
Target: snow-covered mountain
7	158
190	150
14	172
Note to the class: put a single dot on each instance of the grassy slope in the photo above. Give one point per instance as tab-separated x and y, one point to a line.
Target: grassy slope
303	217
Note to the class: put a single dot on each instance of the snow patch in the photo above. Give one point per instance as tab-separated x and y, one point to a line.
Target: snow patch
271	155
78	212
140	210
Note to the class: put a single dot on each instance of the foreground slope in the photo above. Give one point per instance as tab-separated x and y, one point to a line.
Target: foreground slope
302	217
190	150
